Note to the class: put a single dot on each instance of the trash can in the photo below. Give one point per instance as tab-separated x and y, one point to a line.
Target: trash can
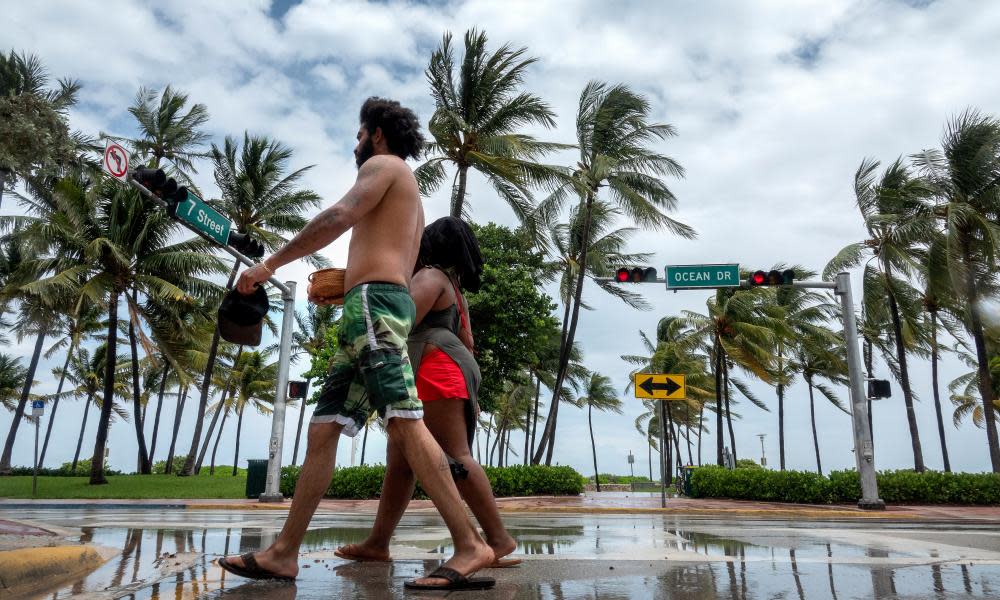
688	471
256	477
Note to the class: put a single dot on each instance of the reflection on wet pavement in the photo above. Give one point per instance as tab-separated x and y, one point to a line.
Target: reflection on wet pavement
170	555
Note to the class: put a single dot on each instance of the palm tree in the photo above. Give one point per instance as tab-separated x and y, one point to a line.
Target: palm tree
965	393
598	393
613	131
261	198
476	122
964	176
737	329
254	386
805	312
898	223
29	105
166	131
820	357
84	323
315	329
939	302
12	376
119	244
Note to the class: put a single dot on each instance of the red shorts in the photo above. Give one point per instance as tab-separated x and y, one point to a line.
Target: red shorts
440	377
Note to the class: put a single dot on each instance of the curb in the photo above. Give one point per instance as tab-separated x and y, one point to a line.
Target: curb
775	513
32	569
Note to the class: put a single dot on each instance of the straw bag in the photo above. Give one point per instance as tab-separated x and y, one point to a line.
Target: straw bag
327	285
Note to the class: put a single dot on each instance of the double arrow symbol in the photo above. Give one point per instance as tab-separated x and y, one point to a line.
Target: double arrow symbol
660	385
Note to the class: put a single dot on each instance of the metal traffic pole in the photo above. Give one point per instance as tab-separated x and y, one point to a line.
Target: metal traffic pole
864	452
272	488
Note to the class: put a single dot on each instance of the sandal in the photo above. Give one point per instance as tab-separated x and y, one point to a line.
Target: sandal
456	581
250	569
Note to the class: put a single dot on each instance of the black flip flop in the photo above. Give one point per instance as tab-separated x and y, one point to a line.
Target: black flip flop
456	581
250	569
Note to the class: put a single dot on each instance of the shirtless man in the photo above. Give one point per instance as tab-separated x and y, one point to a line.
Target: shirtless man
384	210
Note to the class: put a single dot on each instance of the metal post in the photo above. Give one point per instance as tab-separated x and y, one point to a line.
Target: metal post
763	456
864	451
663	455
272	488
34	474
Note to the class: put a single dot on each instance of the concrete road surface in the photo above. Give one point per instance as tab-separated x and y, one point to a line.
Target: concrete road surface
170	554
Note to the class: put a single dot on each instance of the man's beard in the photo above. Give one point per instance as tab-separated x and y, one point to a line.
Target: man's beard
366	151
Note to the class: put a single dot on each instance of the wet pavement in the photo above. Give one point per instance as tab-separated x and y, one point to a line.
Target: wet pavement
169	553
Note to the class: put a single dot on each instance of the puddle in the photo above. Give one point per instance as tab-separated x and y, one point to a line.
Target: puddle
170	556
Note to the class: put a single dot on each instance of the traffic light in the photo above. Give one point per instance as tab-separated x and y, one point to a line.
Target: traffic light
157	182
636	275
773	277
298	389
250	247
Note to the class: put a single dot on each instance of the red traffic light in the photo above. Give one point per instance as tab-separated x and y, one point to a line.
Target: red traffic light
636	275
622	275
758	278
772	277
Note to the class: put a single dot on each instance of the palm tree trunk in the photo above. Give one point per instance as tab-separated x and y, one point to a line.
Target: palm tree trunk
812	417
534	419
720	429
8	448
458	202
159	407
687	434
206	383
548	435
985	378
140	437
298	430
215	446
674	432
169	468
527	424
489	430
781	408
3	184
729	415
55	404
226	393
536	456
937	394
701	427
364	444
593	446
904	381
97	461
239	429
649	456
83	427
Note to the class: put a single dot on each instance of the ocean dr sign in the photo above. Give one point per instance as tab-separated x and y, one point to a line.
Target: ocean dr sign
680	277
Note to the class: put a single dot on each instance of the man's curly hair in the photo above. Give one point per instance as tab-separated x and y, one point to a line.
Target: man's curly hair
400	126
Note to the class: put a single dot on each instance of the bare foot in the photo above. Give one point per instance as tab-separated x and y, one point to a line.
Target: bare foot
466	563
503	547
269	561
363	552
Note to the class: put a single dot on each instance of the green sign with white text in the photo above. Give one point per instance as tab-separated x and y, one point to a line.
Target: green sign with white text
196	213
681	277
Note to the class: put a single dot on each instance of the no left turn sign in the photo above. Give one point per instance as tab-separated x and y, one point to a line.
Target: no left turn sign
116	161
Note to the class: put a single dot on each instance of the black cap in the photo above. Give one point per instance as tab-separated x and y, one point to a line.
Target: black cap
241	318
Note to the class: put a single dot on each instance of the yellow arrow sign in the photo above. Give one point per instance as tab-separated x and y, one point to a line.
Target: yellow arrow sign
659	386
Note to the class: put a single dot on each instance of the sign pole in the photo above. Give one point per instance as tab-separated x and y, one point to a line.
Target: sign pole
864	451
272	487
34	474
663	454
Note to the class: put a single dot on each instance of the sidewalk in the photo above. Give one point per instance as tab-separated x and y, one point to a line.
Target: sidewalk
590	503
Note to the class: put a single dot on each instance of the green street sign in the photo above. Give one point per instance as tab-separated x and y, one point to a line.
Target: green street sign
687	277
196	213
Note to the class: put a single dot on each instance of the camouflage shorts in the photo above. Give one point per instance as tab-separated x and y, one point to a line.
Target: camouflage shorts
371	370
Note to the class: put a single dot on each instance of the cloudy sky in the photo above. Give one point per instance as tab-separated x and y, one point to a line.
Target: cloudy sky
775	103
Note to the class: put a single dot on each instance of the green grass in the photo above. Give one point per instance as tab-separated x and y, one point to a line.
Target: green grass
222	485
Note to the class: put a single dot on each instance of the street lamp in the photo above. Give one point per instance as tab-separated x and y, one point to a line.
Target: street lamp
763	459
631	461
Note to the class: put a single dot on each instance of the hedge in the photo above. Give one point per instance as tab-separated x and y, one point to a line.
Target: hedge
895	487
366	481
82	470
